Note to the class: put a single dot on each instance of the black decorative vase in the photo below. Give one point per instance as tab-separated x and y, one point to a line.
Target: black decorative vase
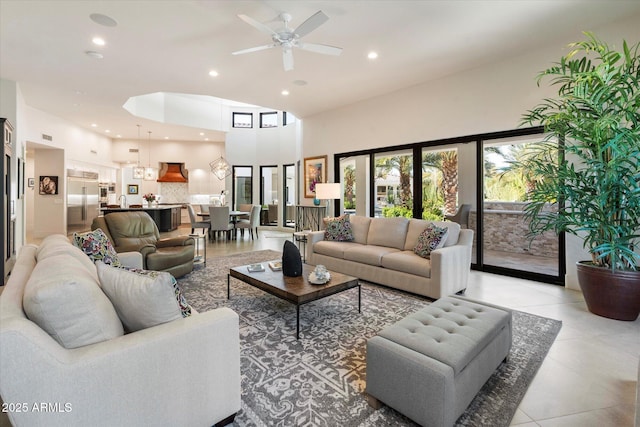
291	261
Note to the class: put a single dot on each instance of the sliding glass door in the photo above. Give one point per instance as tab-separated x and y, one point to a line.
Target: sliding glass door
504	230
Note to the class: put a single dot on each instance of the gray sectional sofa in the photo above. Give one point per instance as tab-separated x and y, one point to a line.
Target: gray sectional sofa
382	252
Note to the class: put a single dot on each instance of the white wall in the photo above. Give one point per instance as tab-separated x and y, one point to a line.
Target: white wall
486	99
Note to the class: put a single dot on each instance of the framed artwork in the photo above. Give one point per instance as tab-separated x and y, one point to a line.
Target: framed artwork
132	189
31	182
48	184
315	171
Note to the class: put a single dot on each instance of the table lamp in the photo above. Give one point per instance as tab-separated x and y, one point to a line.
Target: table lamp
328	191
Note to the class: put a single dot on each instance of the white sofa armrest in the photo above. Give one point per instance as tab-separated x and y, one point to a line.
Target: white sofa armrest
131	259
185	372
450	266
312	238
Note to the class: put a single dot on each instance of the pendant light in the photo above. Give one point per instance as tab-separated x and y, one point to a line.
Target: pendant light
220	168
138	171
149	172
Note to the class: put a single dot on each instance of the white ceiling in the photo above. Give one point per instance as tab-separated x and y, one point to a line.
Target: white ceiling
170	46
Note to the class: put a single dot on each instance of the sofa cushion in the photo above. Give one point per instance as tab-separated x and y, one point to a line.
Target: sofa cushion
97	246
333	249
390	232
432	238
57	244
142	298
416	226
367	254
407	262
338	228
360	228
66	301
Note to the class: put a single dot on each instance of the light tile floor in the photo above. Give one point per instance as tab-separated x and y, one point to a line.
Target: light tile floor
587	379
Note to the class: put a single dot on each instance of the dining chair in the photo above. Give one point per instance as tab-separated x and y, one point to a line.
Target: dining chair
245	207
252	223
461	217
205	225
219	219
204	209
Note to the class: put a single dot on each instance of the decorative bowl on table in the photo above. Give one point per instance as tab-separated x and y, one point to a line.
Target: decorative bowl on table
320	275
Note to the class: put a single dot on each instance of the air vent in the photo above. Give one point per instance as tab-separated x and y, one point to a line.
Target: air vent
47	137
133	150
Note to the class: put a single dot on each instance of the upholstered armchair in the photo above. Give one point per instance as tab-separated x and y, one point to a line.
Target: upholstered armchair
136	231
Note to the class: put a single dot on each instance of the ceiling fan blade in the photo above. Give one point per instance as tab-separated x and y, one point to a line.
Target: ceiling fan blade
254	49
257	25
311	23
287	59
320	48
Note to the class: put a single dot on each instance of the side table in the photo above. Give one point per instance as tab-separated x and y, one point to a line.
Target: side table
200	256
300	238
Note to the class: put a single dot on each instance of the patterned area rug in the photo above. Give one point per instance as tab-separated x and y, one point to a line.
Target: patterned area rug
319	379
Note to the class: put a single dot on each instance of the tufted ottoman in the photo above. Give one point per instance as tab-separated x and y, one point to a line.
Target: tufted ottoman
430	365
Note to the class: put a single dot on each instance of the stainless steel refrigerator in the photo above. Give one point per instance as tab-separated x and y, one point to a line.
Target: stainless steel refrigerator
82	200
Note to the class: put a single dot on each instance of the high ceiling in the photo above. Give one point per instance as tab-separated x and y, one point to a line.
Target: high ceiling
170	46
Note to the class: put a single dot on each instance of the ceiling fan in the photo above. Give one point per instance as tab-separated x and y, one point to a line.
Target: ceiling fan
287	38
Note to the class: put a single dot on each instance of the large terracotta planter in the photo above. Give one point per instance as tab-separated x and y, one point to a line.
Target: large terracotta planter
613	295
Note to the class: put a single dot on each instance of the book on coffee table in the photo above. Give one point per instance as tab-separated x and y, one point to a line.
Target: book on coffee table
255	267
275	265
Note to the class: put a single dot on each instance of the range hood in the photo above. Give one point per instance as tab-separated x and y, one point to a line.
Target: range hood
173	172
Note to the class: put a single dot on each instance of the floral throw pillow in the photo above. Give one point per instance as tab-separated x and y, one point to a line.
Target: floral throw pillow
432	238
338	229
97	246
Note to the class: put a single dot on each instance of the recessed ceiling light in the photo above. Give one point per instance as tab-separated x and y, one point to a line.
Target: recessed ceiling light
201	133
166	137
372	55
206	139
118	136
99	41
101	19
94	54
285	92
107	131
213	73
93	125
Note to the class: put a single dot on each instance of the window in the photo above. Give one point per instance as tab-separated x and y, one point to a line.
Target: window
287	118
242	120
269	120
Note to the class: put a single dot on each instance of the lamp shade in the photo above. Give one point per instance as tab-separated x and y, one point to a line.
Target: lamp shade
328	191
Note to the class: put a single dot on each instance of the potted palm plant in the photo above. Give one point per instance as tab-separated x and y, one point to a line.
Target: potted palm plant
588	169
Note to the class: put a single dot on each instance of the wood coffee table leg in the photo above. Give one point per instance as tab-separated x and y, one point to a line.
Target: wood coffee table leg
228	286
297	321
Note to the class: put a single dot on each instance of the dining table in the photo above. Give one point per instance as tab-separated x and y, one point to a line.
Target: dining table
234	216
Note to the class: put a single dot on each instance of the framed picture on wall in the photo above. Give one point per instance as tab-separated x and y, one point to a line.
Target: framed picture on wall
132	189
48	184
315	171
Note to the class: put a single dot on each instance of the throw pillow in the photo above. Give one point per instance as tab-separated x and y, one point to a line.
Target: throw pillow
142	298
97	246
338	229
66	301
432	238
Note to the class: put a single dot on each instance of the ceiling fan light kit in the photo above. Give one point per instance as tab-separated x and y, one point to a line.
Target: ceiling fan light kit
287	39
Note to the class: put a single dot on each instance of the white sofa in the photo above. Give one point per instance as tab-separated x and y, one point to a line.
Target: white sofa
382	252
183	372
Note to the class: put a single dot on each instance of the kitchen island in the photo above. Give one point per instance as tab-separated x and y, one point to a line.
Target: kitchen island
166	217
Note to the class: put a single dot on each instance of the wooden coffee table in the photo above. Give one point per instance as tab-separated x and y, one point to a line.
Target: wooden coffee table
296	290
